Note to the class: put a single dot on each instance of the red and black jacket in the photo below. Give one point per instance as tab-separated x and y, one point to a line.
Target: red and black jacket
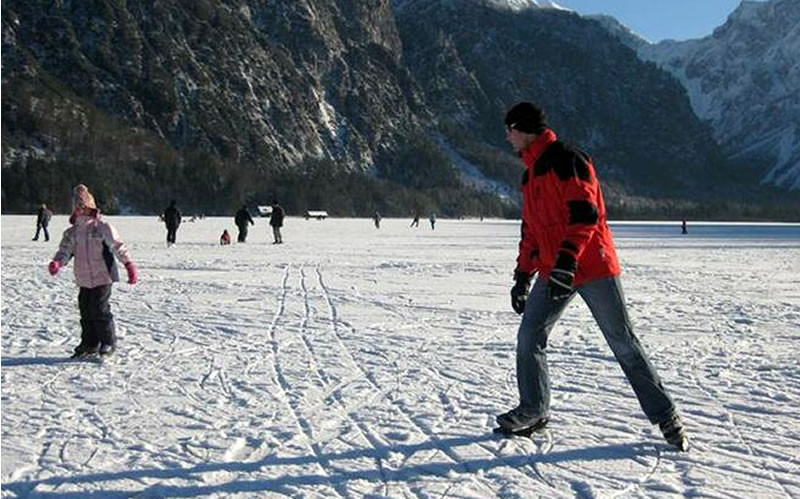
563	211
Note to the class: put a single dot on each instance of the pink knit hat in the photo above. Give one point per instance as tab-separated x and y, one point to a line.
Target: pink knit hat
82	198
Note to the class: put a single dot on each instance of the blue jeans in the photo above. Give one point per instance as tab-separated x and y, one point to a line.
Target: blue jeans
607	304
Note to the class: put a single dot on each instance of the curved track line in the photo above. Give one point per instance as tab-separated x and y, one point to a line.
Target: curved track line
334	328
322	462
337	393
734	428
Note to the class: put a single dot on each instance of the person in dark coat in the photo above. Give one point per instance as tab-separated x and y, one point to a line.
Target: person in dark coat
43	217
172	219
565	239
276	221
242	219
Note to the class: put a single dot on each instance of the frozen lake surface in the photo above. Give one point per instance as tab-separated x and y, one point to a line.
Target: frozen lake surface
354	362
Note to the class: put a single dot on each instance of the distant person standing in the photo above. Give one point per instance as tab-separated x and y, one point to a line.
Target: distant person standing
276	222
566	239
432	219
172	219
376	219
415	222
243	220
43	216
684	229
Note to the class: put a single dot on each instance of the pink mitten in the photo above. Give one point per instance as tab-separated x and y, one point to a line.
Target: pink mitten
133	273
54	267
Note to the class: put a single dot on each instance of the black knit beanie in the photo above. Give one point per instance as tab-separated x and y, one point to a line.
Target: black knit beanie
527	118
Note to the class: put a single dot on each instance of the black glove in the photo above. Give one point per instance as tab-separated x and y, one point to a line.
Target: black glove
561	277
519	293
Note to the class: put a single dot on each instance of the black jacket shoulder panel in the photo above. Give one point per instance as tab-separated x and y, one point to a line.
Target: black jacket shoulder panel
565	160
548	159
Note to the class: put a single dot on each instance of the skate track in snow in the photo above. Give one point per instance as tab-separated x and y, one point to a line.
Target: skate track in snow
354	362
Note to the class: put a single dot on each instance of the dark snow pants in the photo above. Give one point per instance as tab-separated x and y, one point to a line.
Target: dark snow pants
46	234
172	232
97	321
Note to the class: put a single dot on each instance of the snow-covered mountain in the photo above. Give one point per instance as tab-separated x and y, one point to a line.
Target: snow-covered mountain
744	79
526	4
223	102
624	33
509	4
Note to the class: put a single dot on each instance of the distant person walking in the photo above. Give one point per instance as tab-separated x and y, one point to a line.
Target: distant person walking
684	228
415	222
93	243
276	222
172	219
432	219
566	239
243	220
43	216
376	219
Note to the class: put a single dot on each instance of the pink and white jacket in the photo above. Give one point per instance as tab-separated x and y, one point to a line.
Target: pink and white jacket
92	240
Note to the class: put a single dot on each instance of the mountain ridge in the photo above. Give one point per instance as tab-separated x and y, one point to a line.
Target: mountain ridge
360	104
744	80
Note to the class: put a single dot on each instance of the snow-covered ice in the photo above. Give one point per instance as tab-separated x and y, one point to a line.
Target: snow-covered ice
353	362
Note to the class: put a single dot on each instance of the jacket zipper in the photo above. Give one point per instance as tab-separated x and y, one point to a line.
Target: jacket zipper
89	257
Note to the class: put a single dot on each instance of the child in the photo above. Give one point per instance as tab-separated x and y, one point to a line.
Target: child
225	238
91	240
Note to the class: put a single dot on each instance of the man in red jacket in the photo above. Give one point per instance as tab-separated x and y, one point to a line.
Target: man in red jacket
566	239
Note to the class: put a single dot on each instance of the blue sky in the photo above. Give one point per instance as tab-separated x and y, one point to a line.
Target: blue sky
660	19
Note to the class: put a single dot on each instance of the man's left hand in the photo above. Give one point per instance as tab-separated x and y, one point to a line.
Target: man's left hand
519	293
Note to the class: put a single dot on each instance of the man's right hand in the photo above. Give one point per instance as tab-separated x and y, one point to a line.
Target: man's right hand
519	292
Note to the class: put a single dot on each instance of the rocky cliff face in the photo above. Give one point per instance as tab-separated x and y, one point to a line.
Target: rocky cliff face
210	96
744	80
261	81
474	61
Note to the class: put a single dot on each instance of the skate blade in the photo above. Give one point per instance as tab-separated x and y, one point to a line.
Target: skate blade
526	432
683	445
523	432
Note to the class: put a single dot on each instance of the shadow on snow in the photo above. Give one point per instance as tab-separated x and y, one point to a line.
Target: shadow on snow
332	477
36	361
